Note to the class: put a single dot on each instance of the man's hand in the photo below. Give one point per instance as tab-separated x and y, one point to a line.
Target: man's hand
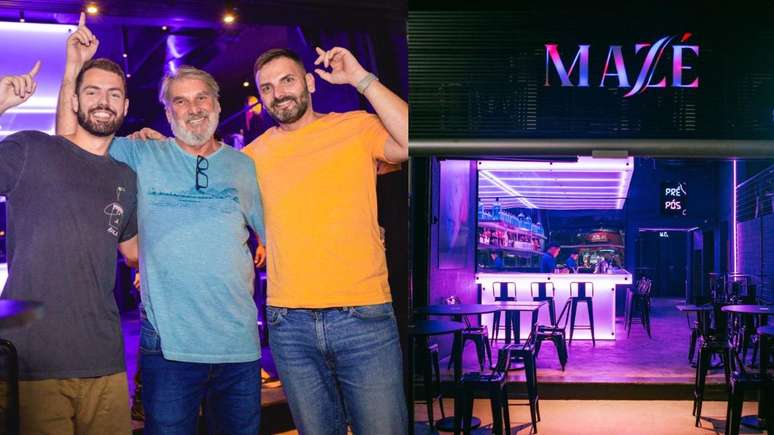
147	134
345	69
81	45
15	90
136	282
260	256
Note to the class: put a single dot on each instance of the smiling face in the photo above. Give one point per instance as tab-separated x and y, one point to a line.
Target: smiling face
285	89
101	102
192	111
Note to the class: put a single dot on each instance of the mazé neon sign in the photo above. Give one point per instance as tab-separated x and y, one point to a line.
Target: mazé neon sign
614	68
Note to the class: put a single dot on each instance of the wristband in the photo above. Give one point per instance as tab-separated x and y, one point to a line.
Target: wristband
363	84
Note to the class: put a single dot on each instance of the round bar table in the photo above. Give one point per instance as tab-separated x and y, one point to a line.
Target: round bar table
422	329
15	313
762	311
456	311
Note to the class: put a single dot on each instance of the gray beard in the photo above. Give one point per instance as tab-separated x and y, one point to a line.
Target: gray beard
195	139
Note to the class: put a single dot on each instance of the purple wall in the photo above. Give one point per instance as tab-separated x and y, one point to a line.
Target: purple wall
457	276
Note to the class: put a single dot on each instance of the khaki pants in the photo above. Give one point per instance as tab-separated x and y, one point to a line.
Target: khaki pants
82	406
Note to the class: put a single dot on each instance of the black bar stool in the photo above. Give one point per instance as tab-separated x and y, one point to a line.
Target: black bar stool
555	333
494	385
431	374
582	292
711	341
638	302
502	293
545	291
478	334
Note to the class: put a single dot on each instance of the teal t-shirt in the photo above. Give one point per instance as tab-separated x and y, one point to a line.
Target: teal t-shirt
196	267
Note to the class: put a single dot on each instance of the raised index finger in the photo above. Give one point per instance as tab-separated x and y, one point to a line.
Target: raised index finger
34	71
82	20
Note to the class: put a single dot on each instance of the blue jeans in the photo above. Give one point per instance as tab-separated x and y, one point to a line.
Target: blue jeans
340	366
172	392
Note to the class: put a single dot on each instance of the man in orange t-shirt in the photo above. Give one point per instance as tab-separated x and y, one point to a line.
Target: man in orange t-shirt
332	329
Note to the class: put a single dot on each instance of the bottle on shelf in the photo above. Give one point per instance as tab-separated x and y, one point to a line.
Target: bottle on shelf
480	210
520	220
528	223
539	228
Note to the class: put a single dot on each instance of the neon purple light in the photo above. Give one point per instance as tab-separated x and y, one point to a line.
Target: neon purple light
733	219
21	45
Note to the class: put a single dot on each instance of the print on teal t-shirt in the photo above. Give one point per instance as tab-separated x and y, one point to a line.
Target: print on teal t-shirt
196	268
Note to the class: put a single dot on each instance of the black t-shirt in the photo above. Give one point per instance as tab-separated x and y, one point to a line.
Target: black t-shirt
67	211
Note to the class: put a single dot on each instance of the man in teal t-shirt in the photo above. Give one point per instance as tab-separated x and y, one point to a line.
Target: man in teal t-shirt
196	199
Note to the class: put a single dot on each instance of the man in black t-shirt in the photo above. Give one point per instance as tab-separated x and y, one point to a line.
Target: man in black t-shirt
69	207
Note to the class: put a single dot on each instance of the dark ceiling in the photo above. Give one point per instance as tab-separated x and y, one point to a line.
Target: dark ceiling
200	38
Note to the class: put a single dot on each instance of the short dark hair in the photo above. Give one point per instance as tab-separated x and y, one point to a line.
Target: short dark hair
275	53
553	245
103	64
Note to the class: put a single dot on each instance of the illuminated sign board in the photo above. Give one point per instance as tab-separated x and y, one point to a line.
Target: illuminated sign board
674	199
614	71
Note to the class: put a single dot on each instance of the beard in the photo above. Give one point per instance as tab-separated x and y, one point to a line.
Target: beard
98	127
190	137
292	113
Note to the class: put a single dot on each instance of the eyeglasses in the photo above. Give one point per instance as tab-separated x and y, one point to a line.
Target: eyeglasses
201	165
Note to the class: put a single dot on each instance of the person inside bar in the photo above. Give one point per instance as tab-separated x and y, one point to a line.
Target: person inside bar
603	265
572	262
548	261
495	260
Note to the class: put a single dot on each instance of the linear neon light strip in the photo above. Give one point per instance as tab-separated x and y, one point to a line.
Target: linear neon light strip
37	27
32	110
550	178
584	164
507	188
733	219
559	187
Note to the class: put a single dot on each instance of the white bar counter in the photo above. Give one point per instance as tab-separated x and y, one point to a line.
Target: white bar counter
3	275
603	299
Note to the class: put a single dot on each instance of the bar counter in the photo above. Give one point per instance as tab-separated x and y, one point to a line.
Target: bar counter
605	287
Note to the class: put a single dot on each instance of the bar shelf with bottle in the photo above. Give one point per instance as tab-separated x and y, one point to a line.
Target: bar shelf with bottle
525	207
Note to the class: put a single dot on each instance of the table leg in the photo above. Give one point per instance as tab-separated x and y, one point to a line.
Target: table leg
454	424
508	327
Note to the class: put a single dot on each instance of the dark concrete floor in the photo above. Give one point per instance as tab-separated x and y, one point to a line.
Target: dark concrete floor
637	367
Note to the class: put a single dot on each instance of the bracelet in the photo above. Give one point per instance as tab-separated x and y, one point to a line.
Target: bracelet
363	84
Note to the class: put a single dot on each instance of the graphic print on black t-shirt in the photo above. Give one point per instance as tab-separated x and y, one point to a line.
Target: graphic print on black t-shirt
115	212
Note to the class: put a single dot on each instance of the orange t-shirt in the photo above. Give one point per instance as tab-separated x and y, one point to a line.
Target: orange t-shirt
318	185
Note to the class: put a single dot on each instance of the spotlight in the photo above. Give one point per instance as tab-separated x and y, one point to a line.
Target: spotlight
21	17
229	18
92	9
164	28
128	75
245	84
125	55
